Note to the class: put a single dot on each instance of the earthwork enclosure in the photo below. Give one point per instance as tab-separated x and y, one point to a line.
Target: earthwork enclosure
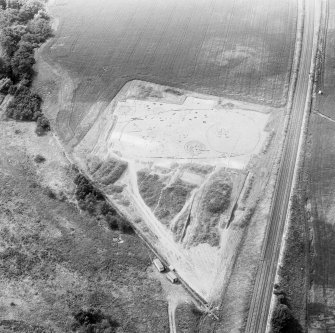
184	167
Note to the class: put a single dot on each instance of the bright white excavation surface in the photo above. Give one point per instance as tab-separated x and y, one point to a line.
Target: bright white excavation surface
195	130
167	133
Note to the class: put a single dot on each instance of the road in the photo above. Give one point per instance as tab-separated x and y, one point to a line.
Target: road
261	298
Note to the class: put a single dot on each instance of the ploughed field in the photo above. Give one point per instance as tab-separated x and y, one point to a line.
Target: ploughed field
238	48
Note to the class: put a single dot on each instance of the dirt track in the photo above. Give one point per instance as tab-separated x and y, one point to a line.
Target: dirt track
261	298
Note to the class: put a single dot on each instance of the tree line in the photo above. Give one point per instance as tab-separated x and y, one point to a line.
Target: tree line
24	27
90	199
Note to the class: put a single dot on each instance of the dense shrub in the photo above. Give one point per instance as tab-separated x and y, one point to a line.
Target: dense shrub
172	200
116	222
93	321
218	197
150	187
113	221
10	37
106	209
24	26
22	62
29	10
5	84
25	105
110	171
40	28
39	158
43	125
4	68
91	200
15	4
283	321
84	188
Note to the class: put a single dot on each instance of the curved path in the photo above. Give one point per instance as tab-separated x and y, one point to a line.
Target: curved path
262	293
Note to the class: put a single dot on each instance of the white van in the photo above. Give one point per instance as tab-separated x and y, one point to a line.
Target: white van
158	264
172	277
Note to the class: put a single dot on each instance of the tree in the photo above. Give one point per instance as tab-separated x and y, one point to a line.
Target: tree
14	4
4	68
3	4
93	321
40	28
43	15
22	62
283	320
29	10
107	209
25	105
84	187
10	37
89	203
113	221
43	125
5	84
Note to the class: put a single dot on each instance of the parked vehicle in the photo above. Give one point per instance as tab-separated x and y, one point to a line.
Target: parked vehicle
172	277
158	264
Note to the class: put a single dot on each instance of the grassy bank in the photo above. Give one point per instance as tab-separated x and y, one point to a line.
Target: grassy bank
55	261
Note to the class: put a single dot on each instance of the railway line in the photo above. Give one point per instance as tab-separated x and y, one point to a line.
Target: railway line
262	293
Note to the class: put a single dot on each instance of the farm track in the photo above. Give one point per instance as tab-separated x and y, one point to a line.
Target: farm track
172	318
261	298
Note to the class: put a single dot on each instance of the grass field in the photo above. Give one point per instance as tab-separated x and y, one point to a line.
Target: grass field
55	260
319	165
187	318
237	48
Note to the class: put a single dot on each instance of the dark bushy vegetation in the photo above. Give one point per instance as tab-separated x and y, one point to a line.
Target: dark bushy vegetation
283	320
93	321
218	196
293	277
150	187
24	27
91	200
172	200
43	125
39	158
25	105
110	171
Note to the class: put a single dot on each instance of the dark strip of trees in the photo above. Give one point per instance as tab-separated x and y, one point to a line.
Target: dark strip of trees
90	199
24	27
